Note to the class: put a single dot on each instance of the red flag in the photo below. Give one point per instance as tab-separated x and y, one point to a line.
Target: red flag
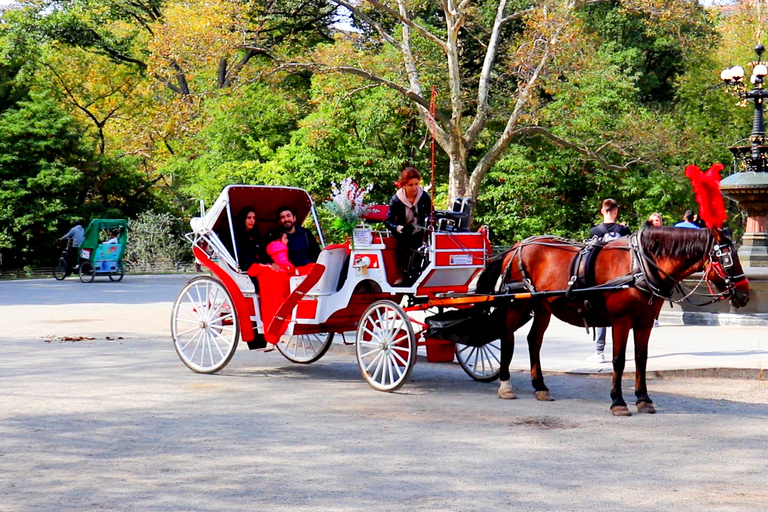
706	187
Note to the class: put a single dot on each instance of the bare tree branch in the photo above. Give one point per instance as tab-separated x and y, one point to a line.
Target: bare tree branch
377	26
581	149
420	29
493	154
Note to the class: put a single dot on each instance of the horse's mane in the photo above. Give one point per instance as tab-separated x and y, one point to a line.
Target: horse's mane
688	245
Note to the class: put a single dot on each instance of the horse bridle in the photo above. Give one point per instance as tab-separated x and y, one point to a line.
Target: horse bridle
720	261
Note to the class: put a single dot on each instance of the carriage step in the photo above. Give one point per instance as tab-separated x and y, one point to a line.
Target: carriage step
258	343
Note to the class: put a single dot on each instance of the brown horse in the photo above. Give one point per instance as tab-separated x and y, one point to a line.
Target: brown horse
636	275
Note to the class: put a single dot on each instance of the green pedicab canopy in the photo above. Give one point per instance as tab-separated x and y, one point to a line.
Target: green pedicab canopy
91	241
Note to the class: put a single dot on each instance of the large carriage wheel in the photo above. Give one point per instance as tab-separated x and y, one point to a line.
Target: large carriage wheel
386	346
118	274
87	272
305	348
60	270
481	363
204	325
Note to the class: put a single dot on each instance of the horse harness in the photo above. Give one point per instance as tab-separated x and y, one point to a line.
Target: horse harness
644	274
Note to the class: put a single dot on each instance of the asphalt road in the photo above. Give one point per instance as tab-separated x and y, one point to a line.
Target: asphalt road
118	423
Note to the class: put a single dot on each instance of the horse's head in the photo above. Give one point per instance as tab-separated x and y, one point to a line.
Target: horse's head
724	270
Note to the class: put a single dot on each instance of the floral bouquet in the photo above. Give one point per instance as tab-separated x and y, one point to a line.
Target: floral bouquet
346	204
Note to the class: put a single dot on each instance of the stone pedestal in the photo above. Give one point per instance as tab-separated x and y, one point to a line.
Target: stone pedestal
750	191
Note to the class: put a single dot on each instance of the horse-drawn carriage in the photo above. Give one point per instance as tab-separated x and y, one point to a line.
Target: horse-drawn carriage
351	287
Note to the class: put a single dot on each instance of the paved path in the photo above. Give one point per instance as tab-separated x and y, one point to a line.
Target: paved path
140	306
118	423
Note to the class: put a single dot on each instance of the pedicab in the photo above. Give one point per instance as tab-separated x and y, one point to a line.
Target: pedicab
98	258
353	286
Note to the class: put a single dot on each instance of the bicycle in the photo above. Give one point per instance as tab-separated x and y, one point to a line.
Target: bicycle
62	268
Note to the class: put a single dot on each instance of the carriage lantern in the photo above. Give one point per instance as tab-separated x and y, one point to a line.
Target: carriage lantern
748	185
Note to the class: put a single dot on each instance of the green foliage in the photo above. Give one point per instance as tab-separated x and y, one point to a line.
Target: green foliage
50	177
156	241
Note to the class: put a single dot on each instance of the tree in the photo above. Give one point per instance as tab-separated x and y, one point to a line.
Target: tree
525	46
49	177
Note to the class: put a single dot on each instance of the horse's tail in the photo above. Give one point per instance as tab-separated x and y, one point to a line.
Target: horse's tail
486	281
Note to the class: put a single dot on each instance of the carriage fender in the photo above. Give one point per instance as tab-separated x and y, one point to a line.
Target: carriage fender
241	304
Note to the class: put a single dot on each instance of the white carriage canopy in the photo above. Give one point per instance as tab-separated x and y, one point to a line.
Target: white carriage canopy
265	200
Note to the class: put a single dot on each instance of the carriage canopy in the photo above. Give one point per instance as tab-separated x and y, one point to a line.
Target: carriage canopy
264	199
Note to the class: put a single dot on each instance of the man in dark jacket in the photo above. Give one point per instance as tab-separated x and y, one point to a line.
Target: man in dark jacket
302	246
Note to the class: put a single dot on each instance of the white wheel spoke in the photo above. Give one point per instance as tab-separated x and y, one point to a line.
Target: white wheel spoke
374	361
397	367
188	320
182	333
379	364
366	354
396	355
193	338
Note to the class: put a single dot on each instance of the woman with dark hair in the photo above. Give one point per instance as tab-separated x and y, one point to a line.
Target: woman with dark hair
408	213
246	238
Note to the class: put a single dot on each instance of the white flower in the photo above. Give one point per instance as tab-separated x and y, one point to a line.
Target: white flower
347	202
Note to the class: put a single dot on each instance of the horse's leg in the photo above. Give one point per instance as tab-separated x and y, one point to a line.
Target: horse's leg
644	402
620	333
535	336
511	322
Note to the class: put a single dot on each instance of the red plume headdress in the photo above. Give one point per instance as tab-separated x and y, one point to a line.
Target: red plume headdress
706	187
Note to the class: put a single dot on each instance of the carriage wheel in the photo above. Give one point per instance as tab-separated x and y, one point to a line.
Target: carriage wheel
118	274
204	325
481	363
87	273
60	270
386	346
305	348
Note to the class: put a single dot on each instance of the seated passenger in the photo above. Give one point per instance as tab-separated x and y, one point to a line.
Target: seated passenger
409	210
303	249
114	240
246	238
277	249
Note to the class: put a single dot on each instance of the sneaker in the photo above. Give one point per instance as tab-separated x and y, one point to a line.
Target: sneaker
597	357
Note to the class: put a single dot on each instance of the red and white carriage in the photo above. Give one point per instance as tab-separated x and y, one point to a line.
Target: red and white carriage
350	288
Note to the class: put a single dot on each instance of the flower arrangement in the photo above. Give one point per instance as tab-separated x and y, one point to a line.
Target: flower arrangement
346	204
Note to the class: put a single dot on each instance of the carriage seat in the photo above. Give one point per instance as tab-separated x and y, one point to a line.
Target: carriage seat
333	258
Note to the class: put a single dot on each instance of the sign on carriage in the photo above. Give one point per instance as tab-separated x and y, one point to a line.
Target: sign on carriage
461	259
362	237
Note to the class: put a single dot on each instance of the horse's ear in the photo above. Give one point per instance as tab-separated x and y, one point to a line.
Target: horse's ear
719	236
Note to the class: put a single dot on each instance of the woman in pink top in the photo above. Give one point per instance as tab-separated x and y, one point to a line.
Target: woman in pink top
278	251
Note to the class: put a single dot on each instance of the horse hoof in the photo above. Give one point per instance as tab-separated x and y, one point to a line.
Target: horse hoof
646	408
544	396
620	410
505	391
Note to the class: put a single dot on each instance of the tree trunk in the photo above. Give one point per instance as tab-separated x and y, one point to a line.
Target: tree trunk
457	176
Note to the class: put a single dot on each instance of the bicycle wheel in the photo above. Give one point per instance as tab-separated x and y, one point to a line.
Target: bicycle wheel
87	273
118	274
60	270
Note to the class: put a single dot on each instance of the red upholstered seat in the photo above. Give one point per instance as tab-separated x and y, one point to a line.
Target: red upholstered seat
376	213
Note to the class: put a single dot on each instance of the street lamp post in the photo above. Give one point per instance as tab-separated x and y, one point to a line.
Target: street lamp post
749	185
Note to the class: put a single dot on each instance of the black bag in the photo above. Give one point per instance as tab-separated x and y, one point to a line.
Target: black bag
475	326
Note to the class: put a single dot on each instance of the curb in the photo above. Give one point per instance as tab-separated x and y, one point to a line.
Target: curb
700	373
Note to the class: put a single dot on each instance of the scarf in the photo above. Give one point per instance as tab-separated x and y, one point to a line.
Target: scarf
411	210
